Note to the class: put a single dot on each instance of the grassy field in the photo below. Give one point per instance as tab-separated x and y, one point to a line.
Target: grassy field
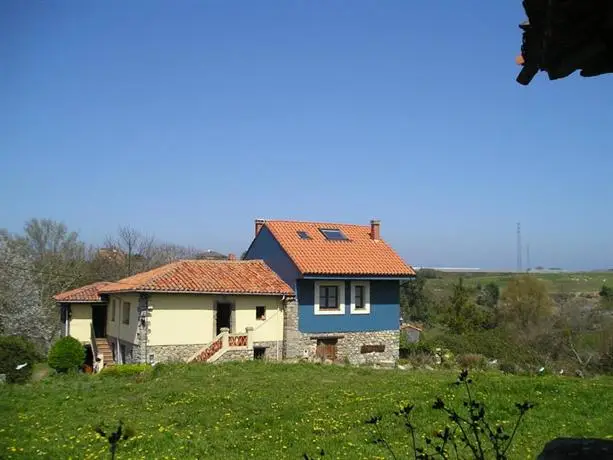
585	282
269	411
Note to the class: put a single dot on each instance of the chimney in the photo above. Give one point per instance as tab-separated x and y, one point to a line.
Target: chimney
375	229
231	257
259	223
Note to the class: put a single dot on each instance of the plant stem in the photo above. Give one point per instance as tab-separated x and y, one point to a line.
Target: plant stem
473	424
521	415
385	442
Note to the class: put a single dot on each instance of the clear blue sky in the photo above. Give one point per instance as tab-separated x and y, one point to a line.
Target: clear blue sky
190	119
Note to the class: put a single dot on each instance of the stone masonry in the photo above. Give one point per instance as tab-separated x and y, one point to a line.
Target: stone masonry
169	353
298	345
271	349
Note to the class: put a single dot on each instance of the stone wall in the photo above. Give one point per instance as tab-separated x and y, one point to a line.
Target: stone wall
235	355
298	345
169	353
271	350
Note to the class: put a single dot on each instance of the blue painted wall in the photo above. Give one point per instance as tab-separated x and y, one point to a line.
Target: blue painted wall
266	247
384	309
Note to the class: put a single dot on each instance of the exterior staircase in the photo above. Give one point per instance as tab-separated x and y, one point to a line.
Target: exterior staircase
226	346
103	347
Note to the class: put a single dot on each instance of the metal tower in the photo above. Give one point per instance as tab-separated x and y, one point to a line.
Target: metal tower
519	263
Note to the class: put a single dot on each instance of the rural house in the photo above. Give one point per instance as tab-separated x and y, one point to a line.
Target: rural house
347	285
203	310
305	290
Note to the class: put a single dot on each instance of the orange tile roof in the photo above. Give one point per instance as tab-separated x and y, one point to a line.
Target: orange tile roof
85	294
359	255
206	276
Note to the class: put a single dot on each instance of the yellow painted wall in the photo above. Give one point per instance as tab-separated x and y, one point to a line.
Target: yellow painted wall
181	319
80	321
116	328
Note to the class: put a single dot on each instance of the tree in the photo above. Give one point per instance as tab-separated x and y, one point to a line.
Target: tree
462	314
22	311
489	295
415	300
525	302
606	297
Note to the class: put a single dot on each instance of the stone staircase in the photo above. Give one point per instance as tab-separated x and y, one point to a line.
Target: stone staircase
103	347
226	347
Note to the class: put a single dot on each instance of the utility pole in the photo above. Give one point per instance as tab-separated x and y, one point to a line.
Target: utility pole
519	262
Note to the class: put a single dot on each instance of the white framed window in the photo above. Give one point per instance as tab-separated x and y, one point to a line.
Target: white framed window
329	298
360	298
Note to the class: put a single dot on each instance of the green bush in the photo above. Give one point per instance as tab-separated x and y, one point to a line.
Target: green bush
127	369
15	351
66	354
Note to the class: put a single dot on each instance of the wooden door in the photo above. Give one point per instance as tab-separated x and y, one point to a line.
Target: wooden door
326	349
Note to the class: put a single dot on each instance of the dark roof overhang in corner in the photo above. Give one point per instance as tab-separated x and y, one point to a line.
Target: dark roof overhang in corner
563	36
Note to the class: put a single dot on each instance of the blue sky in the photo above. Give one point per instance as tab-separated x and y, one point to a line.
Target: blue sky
190	119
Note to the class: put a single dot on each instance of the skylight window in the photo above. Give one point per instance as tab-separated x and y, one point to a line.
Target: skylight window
303	235
333	234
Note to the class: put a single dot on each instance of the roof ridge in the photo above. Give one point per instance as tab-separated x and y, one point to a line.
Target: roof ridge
266	221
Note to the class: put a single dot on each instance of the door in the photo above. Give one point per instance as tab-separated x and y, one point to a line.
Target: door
224	316
99	320
326	349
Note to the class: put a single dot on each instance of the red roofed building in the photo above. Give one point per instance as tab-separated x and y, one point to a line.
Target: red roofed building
187	310
347	284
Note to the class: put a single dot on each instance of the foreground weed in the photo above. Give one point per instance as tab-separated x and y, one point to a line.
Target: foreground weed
470	430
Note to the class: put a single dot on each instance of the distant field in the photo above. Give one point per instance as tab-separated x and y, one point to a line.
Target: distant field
279	411
582	282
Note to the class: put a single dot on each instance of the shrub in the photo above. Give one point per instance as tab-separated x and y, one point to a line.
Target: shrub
508	368
472	361
66	354
127	369
15	351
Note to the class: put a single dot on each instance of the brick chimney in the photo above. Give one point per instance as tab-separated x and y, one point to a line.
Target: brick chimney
375	227
231	257
259	223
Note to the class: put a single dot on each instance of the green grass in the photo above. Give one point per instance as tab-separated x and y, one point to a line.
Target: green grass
265	411
585	282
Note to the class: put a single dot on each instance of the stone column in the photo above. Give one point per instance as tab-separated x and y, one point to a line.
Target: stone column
291	335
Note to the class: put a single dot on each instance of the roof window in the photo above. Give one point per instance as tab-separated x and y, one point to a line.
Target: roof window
303	235
333	234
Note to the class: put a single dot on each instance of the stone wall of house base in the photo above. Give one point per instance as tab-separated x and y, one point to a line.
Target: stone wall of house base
235	355
349	346
273	350
173	353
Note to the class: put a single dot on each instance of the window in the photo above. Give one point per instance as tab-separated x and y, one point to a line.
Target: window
259	352
333	234
126	313
260	313
113	310
303	235
329	298
360	297
123	354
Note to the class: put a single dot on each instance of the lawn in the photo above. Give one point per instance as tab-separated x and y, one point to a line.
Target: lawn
269	411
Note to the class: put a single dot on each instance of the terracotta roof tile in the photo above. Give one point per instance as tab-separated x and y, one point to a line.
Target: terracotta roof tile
358	255
85	294
206	276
